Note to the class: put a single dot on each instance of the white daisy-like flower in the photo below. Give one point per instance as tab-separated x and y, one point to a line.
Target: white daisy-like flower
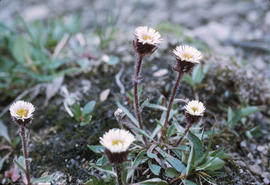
147	35
195	108
117	140
22	110
188	54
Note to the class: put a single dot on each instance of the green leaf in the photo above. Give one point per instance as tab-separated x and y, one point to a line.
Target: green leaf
113	60
206	154
20	49
103	170
2	160
20	163
255	132
45	179
4	131
73	24
149	153
188	182
162	120
249	110
229	114
155	106
142	132
76	110
154	181
129	115
234	117
197	145
86	120
95	181
171	172
27	29
96	148
136	163
88	108
102	161
197	74
154	168
139	158
190	162
176	164
188	80
214	165
171	131
211	159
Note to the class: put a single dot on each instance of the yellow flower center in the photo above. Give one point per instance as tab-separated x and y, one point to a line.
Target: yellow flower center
117	141
22	112
195	109
188	56
145	37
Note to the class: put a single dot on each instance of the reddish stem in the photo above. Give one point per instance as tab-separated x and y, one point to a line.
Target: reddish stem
185	133
180	74
22	132
136	79
118	172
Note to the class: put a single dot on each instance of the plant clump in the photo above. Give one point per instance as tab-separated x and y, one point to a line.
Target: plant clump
168	154
231	80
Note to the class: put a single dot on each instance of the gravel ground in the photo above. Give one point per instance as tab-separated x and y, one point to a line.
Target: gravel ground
228	30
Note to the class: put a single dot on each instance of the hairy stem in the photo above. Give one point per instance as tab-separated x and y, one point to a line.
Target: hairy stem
136	79
118	172
180	74
185	133
24	145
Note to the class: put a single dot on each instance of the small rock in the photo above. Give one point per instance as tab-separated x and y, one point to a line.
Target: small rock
243	144
263	149
105	58
104	95
255	169
119	114
58	178
258	161
160	72
35	13
241	163
266	181
266	175
253	146
250	156
213	32
267	20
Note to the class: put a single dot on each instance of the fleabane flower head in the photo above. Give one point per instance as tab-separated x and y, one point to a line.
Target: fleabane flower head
22	111
146	40
146	35
186	57
188	54
117	140
194	111
116	143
